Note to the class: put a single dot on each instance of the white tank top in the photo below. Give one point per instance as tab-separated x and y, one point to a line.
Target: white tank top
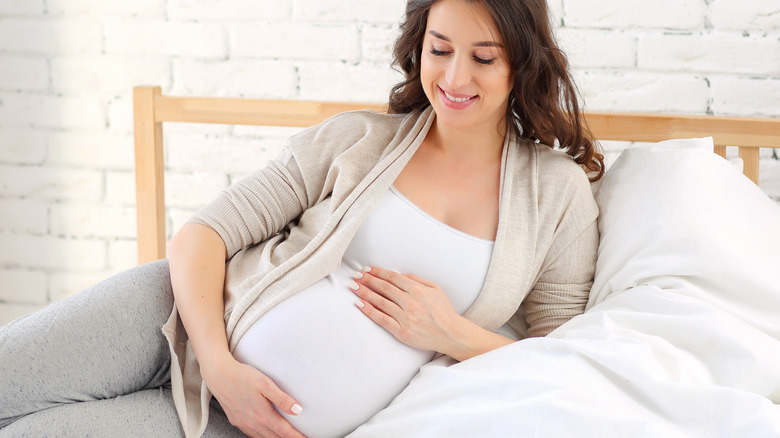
323	351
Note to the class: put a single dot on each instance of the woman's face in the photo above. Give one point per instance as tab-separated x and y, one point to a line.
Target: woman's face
463	69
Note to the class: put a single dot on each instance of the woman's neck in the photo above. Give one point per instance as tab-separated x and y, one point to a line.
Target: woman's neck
474	145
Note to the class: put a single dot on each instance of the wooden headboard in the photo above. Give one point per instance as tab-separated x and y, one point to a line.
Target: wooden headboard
151	109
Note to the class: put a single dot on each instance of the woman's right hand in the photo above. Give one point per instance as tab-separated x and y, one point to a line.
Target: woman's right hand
247	396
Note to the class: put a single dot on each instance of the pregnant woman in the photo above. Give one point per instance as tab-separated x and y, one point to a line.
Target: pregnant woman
307	296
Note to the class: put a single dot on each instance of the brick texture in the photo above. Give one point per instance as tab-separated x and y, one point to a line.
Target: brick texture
46	35
755	15
623	14
67	68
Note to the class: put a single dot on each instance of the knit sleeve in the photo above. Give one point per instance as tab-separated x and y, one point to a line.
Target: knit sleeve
562	288
340	150
257	207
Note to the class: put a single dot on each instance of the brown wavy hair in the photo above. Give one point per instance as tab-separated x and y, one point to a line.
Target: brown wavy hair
543	104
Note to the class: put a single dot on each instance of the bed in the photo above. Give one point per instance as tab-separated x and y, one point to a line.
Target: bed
681	335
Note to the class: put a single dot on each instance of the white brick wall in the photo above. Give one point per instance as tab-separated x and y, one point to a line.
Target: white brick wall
67	68
631	14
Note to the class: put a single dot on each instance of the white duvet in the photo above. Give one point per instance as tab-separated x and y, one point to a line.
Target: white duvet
681	337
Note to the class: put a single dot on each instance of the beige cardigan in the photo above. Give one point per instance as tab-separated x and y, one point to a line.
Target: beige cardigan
288	225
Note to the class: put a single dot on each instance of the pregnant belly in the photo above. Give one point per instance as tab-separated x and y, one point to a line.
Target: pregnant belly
337	363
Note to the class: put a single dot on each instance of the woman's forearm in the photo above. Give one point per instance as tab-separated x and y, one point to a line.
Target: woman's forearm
197	256
471	340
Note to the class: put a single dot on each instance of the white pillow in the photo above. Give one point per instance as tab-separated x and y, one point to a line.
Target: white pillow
676	216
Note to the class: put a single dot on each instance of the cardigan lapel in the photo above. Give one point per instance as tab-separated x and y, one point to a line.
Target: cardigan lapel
510	272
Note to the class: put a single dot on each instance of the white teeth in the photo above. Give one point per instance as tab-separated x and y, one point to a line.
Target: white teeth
456	99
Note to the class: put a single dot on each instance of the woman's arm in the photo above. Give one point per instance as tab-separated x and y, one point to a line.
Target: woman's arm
567	270
562	290
196	255
197	264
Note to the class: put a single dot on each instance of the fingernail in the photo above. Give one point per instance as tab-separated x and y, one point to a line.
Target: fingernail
296	409
354	286
360	304
357	275
367	269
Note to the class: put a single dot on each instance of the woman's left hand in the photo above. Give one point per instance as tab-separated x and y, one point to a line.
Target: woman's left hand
414	310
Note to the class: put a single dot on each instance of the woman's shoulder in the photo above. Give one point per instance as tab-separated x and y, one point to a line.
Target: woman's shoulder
550	164
351	127
558	179
361	121
556	161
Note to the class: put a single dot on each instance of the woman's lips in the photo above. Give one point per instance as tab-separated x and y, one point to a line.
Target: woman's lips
456	101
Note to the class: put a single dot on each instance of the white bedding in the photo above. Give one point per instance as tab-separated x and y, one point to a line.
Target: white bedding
681	337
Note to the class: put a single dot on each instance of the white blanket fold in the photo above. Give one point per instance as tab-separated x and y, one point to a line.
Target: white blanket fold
643	363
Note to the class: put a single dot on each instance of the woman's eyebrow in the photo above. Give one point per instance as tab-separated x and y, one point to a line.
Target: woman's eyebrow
478	44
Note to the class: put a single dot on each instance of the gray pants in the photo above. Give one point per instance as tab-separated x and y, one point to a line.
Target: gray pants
96	364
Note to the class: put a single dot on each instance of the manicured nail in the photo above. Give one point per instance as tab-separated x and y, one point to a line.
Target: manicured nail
360	304
357	275
367	269
354	286
297	409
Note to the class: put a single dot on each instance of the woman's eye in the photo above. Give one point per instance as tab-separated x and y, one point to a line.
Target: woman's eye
483	61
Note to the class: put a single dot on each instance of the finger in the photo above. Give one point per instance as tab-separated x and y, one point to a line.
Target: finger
395	278
284	429
271	425
380	318
286	403
386	302
254	428
268	433
384	283
257	422
260	432
421	280
281	399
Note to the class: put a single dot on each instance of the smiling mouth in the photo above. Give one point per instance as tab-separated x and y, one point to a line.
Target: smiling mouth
457	99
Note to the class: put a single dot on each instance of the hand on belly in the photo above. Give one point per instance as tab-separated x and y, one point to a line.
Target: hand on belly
414	310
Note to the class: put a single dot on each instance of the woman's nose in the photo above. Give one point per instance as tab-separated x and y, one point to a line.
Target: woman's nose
458	73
